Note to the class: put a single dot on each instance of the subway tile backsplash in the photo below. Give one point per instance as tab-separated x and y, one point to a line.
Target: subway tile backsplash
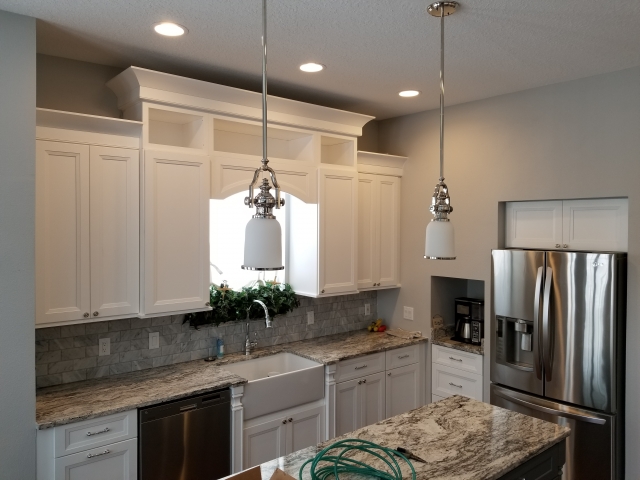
70	354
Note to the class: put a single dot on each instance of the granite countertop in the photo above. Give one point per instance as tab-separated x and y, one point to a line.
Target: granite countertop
460	438
78	401
441	335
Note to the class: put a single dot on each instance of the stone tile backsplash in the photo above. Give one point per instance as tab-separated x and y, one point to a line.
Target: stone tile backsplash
70	354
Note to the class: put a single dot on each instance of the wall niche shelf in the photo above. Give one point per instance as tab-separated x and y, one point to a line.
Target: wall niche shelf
337	151
444	290
176	129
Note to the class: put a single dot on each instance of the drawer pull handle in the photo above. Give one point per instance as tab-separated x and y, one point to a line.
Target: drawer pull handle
456	359
361	366
404	356
454	385
91	455
105	430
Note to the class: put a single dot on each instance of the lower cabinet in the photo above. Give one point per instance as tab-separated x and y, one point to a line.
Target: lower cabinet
360	402
118	461
277	434
104	448
455	372
402	393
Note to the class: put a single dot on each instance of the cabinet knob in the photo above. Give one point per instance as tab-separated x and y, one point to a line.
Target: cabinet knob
364	381
359	382
374	284
284	421
565	245
389	374
290	420
86	315
322	291
208	304
558	245
95	314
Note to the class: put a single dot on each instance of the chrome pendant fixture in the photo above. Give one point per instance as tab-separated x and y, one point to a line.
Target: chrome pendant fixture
263	235
440	239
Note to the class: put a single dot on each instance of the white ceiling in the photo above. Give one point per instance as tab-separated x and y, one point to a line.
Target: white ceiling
372	48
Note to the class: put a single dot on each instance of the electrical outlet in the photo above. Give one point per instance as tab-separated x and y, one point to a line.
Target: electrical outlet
408	313
367	309
104	347
154	340
310	318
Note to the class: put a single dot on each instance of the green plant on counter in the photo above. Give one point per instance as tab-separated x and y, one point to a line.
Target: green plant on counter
234	306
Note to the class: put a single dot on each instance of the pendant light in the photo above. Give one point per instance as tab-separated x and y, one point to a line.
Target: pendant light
263	235
439	243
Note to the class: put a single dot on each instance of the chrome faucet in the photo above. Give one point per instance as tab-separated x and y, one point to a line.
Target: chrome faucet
248	344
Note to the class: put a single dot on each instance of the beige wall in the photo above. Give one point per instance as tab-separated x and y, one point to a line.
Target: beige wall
74	86
579	139
17	246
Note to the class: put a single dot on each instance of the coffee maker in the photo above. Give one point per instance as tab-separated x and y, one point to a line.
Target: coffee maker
469	320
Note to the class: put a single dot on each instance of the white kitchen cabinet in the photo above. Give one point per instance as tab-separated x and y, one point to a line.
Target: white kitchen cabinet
402	390
591	225
118	461
360	402
378	231
455	372
277	434
87	227
175	232
321	257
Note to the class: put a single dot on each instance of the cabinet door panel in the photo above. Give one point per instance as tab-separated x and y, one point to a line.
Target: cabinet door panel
373	399
338	229
176	232
264	442
62	232
596	225
117	461
389	231
347	407
368	252
402	390
533	225
305	429
115	215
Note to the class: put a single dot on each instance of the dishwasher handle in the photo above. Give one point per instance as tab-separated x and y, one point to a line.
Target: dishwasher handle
184	405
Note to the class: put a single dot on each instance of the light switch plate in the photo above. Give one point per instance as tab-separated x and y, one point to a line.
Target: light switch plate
154	340
104	345
367	309
408	313
310	317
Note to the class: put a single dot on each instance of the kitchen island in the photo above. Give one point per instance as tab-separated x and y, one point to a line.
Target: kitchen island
460	439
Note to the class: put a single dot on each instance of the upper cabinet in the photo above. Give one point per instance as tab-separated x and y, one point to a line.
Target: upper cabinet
87	224
175	232
379	187
589	225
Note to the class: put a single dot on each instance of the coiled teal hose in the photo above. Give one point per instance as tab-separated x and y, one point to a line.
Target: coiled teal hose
335	464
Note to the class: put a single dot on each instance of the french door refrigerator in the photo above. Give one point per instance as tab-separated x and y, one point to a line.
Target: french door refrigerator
558	324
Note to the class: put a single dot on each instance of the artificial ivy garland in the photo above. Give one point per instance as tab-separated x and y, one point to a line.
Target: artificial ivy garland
232	306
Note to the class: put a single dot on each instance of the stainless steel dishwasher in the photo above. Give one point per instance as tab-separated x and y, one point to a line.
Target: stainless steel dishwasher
186	439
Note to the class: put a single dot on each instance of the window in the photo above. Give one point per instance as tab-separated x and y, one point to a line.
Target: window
228	219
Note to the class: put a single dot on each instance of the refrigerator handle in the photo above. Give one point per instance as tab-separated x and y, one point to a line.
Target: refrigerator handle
546	328
537	350
566	412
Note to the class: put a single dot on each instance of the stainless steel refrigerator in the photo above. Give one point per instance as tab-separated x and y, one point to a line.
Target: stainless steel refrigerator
558	328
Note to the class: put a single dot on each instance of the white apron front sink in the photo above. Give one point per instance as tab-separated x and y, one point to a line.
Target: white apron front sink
278	382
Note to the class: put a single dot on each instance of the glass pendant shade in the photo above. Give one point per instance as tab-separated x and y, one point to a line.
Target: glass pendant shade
263	245
440	244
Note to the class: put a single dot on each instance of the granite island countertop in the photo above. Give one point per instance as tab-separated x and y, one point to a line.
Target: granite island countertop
88	399
460	438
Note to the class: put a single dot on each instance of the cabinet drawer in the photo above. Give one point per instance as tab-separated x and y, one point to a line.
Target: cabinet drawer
80	436
360	367
469	362
118	461
447	381
402	356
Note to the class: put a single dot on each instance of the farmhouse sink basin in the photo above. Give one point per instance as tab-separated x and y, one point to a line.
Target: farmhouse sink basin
278	382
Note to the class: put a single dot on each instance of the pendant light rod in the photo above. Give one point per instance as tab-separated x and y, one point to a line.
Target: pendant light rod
265	159
441	93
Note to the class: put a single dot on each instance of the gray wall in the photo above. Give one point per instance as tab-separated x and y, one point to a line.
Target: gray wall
75	86
70	354
579	139
17	216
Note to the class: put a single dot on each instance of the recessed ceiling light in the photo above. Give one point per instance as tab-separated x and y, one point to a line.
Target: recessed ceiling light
311	67
169	29
409	93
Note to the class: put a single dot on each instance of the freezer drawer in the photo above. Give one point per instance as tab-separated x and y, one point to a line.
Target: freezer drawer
594	447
